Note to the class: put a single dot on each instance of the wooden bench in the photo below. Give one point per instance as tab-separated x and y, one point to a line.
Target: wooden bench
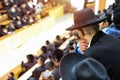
4	17
6	22
1	5
3	11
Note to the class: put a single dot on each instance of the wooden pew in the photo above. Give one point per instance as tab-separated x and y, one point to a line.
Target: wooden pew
4	17
1	5
3	11
6	22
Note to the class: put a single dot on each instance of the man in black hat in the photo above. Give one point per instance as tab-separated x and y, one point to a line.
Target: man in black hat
75	66
102	47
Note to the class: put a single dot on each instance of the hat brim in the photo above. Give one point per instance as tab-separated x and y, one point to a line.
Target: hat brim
68	62
87	23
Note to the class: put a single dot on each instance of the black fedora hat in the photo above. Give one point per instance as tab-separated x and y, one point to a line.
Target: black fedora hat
76	66
84	18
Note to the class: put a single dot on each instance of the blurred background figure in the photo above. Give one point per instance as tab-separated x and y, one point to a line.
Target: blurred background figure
10	76
58	41
56	57
37	71
31	61
50	46
11	28
3	31
47	74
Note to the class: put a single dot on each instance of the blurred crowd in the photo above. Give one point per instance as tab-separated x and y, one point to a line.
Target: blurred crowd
22	13
92	55
49	58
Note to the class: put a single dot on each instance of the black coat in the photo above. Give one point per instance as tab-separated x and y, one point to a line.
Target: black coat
6	5
19	2
106	49
14	14
37	72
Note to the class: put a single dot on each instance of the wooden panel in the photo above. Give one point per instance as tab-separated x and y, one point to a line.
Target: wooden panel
102	4
56	11
91	5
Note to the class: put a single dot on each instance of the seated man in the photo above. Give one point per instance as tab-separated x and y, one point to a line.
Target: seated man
30	62
57	56
10	76
27	65
58	41
3	31
6	4
37	72
14	13
11	28
50	46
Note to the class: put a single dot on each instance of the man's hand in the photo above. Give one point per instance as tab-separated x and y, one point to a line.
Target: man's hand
83	45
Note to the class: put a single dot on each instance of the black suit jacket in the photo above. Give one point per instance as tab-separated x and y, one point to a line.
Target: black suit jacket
106	49
6	5
14	14
37	72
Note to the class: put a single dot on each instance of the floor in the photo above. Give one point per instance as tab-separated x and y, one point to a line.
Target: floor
12	58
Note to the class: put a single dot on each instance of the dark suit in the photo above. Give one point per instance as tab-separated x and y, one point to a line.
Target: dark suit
6	5
106	49
56	73
24	11
37	72
19	2
18	24
11	28
2	33
16	2
14	14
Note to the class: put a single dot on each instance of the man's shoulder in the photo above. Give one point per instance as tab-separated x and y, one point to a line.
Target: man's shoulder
56	73
40	68
104	44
